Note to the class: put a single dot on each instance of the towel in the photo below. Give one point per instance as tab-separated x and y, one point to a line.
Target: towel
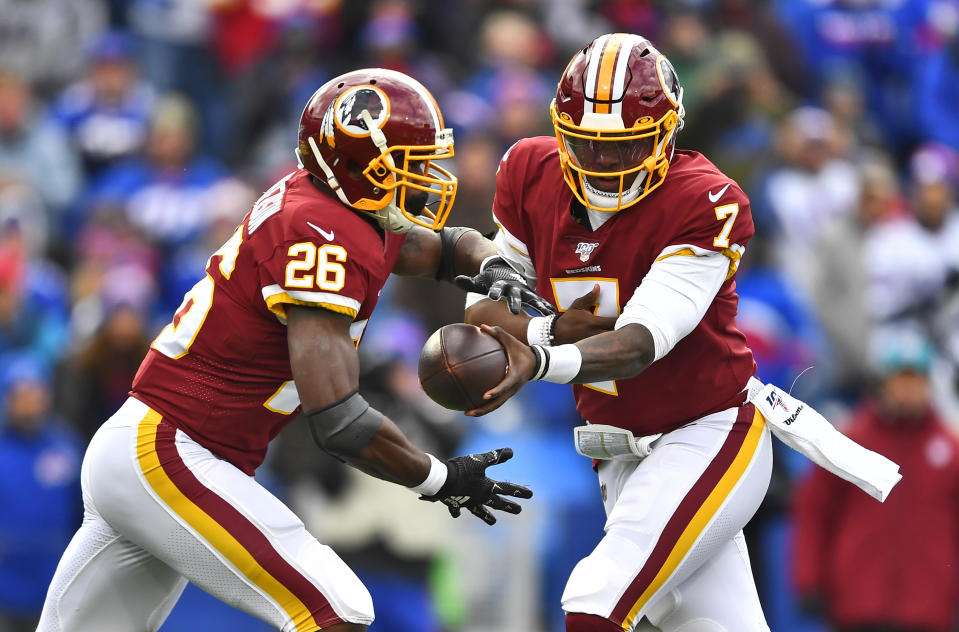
798	425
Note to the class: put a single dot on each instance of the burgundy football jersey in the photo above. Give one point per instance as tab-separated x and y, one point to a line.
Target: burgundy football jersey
220	371
696	206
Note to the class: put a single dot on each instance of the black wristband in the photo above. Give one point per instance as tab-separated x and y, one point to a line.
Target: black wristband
449	237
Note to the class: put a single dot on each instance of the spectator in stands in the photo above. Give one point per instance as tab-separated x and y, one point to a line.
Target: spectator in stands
42	40
99	373
857	286
937	89
177	56
872	567
33	296
815	185
934	180
875	36
39	490
107	113
34	152
166	193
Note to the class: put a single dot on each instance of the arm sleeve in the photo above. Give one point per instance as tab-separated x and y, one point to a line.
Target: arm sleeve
675	294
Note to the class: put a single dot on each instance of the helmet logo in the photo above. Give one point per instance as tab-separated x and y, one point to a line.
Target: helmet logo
351	104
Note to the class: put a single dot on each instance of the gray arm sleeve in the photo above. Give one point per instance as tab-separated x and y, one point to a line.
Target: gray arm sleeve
345	427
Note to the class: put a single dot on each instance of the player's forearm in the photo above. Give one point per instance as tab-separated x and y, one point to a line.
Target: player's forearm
390	456
471	249
615	355
488	312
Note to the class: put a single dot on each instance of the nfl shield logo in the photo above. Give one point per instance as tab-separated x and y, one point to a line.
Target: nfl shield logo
584	249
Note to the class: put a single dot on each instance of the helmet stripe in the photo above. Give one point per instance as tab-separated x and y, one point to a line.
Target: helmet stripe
604	78
595	54
619	76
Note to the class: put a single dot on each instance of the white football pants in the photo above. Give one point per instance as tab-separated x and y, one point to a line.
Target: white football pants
674	550
161	510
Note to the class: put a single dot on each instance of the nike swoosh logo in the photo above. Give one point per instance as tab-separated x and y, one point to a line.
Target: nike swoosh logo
713	197
328	235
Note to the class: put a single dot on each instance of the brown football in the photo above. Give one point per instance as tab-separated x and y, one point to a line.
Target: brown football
459	363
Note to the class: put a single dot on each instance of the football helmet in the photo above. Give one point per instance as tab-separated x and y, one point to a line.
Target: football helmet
373	136
617	110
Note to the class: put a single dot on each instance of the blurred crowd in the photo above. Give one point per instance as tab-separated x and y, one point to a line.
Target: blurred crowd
135	134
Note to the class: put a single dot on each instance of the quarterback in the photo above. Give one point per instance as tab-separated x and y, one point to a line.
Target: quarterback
637	244
271	330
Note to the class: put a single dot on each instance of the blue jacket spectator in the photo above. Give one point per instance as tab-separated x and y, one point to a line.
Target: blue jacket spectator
39	488
34	152
938	92
107	113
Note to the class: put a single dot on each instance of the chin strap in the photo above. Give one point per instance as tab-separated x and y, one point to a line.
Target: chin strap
391	218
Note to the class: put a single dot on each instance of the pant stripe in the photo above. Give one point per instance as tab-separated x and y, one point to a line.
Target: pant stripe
694	513
243	544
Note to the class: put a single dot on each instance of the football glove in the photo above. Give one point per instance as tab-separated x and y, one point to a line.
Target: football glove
498	280
467	487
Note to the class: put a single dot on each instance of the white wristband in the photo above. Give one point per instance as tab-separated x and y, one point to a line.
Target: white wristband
538	332
564	362
434	480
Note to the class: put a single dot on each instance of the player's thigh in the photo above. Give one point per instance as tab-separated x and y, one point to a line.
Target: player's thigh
219	527
720	596
671	512
105	582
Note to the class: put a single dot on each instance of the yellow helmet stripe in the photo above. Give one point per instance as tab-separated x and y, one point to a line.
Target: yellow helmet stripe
606	74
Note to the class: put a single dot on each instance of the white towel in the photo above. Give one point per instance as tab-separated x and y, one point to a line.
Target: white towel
803	429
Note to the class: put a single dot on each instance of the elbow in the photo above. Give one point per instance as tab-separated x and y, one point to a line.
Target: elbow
640	354
637	362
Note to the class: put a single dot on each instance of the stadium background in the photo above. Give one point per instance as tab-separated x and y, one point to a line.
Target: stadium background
134	135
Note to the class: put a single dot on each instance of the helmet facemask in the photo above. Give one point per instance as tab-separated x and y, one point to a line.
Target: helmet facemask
416	182
610	167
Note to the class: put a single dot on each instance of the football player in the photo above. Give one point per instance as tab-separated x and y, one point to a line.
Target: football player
636	243
269	331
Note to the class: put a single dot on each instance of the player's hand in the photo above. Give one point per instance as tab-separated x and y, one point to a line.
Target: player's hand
498	280
580	321
520	365
468	487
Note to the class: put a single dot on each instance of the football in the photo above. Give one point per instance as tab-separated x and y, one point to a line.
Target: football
459	363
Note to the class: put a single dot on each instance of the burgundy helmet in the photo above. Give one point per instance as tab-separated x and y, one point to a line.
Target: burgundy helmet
617	109
372	136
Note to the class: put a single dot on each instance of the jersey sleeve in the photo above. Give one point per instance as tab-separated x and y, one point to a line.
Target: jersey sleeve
717	218
314	272
511	237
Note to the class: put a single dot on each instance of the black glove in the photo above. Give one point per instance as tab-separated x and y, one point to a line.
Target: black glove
467	486
497	279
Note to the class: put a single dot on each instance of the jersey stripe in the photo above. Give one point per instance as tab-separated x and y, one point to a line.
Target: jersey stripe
694	513
276	296
208	514
604	77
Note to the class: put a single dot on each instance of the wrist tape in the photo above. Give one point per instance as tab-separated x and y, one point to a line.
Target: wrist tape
434	480
557	364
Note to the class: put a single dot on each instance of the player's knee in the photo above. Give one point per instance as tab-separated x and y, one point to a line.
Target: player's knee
579	622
